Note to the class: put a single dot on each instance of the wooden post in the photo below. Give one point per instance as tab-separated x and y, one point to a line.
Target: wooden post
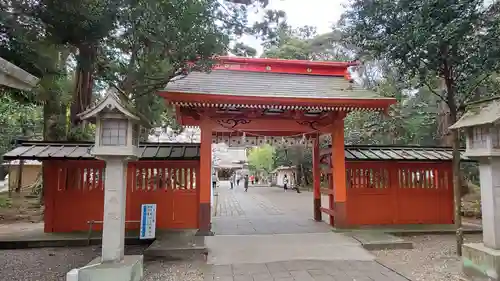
316	180
339	201
205	188
19	184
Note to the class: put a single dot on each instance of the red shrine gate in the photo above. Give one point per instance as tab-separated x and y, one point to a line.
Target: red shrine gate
242	101
271	97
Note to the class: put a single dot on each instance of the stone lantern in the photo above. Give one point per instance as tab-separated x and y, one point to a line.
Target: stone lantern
118	128
481	124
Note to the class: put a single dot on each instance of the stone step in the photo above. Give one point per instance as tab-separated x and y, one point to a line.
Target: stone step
183	245
374	240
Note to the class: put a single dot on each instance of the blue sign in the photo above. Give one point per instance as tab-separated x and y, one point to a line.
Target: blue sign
148	221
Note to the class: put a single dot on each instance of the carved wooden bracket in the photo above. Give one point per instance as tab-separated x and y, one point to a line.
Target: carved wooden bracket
231	123
312	124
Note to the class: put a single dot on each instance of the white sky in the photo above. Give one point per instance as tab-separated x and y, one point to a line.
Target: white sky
319	13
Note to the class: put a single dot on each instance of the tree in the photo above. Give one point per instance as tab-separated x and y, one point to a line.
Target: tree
138	45
451	47
304	43
260	159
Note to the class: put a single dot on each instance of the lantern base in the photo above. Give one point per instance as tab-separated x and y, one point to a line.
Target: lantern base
480	262
129	269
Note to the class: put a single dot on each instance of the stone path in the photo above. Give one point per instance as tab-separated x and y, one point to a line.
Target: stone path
303	270
263	210
266	234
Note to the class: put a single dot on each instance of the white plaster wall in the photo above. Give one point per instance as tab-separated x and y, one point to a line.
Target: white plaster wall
281	176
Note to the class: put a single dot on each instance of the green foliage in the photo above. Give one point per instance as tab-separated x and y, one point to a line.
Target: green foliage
138	45
17	120
5	202
456	41
261	158
305	44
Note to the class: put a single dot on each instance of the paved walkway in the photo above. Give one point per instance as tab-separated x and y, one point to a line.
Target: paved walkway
266	234
264	210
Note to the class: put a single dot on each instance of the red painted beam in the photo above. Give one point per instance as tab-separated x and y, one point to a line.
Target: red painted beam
379	103
327	211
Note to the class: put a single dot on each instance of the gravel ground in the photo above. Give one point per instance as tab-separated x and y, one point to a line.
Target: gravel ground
52	264
44	264
432	259
173	271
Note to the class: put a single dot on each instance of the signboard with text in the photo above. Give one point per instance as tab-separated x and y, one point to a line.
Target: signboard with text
148	221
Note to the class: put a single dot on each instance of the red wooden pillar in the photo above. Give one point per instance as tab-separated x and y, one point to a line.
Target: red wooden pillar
338	202
204	210
51	177
316	180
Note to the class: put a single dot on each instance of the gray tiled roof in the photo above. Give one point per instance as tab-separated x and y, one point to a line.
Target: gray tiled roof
47	151
191	151
394	153
244	83
481	113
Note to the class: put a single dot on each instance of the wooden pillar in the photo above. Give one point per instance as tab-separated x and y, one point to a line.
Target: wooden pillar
338	202
205	175
316	180
51	177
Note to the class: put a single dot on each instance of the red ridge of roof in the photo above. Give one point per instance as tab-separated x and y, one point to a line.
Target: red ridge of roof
329	68
287	62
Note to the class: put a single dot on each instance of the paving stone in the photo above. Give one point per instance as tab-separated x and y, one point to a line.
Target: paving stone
284	279
242	278
250	269
220	270
301	275
277	267
282	274
324	277
223	278
262	277
315	272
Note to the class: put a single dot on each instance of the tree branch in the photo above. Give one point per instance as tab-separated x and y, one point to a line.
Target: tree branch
472	91
434	92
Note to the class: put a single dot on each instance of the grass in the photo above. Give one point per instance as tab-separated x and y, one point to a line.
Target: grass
5	201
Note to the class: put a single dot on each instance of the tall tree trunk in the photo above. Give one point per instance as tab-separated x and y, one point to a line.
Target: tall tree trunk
54	110
457	183
82	95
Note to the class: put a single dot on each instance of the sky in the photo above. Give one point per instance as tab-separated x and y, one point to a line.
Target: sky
319	13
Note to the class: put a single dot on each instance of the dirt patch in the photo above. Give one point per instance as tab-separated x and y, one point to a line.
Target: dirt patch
432	259
20	207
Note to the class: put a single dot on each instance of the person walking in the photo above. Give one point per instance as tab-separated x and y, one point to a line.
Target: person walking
238	177
231	180
285	182
214	180
245	183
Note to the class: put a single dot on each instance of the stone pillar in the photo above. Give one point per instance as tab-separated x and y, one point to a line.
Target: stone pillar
115	193
339	174
489	173
316	180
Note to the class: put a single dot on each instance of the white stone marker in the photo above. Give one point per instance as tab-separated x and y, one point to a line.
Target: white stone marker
116	142
115	193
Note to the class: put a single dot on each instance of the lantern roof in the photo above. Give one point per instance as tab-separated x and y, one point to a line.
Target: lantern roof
480	113
114	100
